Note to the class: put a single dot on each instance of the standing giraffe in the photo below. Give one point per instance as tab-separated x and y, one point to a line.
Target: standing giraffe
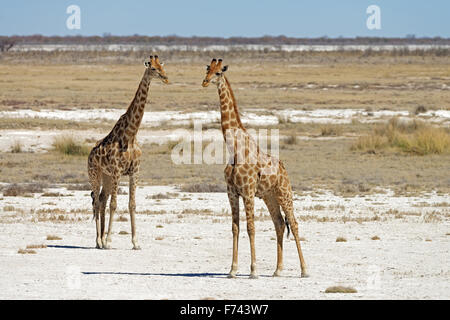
119	154
251	173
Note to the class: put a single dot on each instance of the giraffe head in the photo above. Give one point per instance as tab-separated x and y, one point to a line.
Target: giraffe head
214	72
156	69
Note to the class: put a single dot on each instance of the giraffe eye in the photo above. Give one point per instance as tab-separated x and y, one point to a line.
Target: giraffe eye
217	74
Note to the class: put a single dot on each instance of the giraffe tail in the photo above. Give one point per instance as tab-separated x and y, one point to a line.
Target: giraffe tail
93	211
288	227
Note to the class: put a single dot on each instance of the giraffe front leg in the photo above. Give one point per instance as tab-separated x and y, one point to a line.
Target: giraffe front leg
249	212
112	209
234	203
132	209
94	180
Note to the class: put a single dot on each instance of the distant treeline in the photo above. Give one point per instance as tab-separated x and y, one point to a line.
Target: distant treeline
199	41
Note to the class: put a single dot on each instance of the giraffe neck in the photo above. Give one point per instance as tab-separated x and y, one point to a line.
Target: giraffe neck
229	113
135	112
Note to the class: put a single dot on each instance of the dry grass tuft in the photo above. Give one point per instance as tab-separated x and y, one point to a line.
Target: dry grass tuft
420	109
340	289
53	237
26	251
15	190
36	246
375	238
203	187
329	129
291	140
17	147
168	195
414	137
341	239
69	146
123	232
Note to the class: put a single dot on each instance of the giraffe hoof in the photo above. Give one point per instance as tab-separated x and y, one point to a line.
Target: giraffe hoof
277	273
305	275
232	275
136	248
106	246
253	276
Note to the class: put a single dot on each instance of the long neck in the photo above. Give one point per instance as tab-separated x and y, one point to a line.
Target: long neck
229	113
135	111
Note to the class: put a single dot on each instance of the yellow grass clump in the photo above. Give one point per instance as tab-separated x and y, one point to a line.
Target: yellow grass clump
53	237
26	251
69	146
340	289
414	137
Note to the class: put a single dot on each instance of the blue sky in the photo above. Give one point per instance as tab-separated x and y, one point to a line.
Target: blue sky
247	18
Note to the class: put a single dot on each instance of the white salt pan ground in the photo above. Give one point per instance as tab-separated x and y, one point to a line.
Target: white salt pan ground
156	118
186	248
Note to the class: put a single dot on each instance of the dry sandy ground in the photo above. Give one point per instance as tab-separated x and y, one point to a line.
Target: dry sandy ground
186	245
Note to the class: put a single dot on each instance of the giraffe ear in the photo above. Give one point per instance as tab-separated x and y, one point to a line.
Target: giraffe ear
146	64
224	68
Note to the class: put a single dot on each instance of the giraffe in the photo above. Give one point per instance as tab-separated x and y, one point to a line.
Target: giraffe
119	154
249	173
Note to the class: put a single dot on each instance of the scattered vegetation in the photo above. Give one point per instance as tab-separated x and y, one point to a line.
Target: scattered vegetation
17	190
203	187
168	195
290	140
26	251
69	146
122	219
414	137
341	239
375	238
420	109
36	246
340	289
53	237
330	130
17	147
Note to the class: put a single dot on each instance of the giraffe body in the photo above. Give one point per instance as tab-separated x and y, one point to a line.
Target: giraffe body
118	154
252	173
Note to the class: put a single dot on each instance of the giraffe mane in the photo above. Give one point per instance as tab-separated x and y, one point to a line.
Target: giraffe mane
233	99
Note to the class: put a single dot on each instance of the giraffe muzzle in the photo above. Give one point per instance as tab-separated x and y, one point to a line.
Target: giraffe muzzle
205	83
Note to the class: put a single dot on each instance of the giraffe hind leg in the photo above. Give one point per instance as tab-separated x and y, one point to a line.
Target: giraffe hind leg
279	223
104	196
285	200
